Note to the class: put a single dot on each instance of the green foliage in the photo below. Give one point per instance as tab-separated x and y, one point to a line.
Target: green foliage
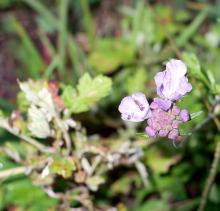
91	160
110	54
23	194
63	167
137	81
87	93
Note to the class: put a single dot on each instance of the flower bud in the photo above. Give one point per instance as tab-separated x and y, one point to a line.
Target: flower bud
150	132
184	115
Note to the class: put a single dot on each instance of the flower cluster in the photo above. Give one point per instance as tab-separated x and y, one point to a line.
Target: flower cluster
162	115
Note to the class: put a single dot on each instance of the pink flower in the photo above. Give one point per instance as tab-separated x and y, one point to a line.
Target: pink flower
134	108
165	122
172	84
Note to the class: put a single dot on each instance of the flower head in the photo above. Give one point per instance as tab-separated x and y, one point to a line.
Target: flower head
172	83
165	123
163	117
134	108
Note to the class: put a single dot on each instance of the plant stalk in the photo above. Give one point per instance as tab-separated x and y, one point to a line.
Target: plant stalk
211	178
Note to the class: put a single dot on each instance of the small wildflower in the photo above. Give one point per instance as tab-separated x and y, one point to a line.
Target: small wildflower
165	123
184	115
134	108
163	116
151	132
172	84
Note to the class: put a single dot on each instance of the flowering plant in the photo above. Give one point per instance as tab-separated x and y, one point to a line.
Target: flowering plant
162	115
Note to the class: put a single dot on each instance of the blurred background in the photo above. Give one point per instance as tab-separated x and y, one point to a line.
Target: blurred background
128	41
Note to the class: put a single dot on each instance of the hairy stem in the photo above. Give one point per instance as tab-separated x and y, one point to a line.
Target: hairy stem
64	131
12	172
211	178
4	124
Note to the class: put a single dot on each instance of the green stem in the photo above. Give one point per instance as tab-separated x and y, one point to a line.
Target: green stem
211	178
12	172
193	27
51	67
4	124
43	11
62	39
87	21
64	131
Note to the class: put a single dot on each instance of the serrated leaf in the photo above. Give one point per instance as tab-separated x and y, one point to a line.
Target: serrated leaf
40	97
63	167
94	89
30	95
89	91
38	123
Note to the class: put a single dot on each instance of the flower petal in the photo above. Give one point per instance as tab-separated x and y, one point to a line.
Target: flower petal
172	84
134	108
163	104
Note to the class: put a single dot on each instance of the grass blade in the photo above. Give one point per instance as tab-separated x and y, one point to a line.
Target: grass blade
87	21
62	38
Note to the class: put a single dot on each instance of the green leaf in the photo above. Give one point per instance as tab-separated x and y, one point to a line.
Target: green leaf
38	123
192	62
160	163
194	67
136	82
141	135
109	54
154	205
196	114
89	91
63	167
22	193
94	182
22	102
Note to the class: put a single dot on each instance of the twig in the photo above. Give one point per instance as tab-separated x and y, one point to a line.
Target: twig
4	124
211	178
13	171
64	131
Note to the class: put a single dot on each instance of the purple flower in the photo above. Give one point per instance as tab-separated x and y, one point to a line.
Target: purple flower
165	122
163	117
151	132
184	115
134	108
172	83
173	134
163	104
